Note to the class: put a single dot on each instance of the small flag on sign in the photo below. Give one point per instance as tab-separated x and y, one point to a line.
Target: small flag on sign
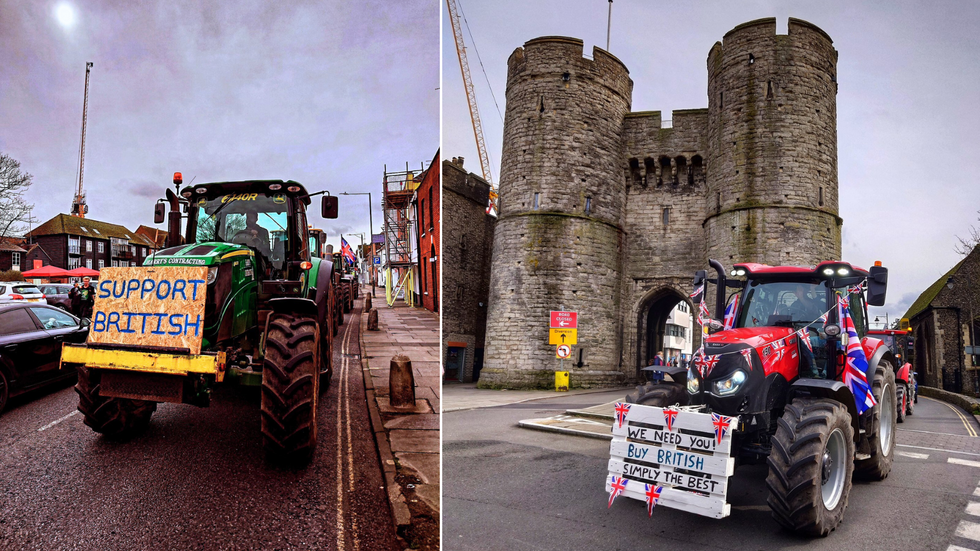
669	416
721	424
621	411
653	496
617	487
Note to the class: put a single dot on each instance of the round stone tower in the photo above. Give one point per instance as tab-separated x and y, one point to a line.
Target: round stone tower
772	146
559	237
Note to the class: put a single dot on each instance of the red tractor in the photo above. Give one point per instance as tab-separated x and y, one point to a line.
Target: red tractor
794	345
907	387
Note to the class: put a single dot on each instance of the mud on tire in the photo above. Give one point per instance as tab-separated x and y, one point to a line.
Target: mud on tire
810	466
118	418
880	427
901	397
290	385
658	395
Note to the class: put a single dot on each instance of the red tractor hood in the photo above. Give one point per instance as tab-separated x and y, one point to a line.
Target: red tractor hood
752	336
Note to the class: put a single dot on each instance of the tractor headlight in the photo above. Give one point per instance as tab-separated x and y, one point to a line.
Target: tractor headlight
693	385
212	274
730	385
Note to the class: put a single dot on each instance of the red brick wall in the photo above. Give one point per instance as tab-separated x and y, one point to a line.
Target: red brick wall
429	244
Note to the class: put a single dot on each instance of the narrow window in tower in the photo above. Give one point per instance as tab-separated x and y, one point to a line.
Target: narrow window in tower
721	100
536	196
718	202
821	197
588	205
769	91
751	59
666	215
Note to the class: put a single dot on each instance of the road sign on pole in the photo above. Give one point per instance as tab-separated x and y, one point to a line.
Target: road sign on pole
563	351
563	336
564	320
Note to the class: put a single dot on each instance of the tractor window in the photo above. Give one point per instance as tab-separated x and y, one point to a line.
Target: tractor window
256	220
784	303
858	314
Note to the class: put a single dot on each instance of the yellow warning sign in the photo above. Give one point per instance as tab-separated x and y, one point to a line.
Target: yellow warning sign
563	336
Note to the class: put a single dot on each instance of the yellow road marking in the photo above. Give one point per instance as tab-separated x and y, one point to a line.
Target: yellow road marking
340	448
966	423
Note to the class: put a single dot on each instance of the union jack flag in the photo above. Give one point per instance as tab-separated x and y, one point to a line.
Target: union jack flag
669	416
621	411
653	496
856	366
616	488
705	363
730	313
804	335
704	317
697	291
747	354
347	251
721	424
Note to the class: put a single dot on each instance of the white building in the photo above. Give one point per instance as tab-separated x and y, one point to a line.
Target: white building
678	333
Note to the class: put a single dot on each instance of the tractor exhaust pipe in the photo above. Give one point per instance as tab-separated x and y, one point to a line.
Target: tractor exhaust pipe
719	289
173	220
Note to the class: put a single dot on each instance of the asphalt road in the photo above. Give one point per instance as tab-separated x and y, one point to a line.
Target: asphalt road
197	479
511	488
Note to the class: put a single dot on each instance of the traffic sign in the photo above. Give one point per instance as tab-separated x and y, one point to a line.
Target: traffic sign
377	261
563	351
564	320
563	336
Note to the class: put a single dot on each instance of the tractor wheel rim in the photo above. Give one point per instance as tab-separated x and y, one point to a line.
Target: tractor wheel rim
887	419
833	470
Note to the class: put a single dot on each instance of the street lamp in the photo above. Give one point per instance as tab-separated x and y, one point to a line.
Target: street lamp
374	274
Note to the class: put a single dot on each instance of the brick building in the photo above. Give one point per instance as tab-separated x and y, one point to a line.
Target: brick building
12	255
70	242
468	240
427	215
941	326
608	212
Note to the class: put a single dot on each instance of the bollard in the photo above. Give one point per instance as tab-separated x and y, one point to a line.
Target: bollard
373	319
401	382
367	302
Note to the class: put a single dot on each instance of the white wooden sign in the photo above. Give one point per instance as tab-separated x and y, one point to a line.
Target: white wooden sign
676	457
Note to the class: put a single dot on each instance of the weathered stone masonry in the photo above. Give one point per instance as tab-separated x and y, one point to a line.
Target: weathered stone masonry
608	213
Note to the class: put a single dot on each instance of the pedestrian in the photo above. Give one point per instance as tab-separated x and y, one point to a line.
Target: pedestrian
659	359
73	298
86	298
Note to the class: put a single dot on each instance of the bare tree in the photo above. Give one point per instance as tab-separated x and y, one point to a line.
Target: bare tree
14	210
967	244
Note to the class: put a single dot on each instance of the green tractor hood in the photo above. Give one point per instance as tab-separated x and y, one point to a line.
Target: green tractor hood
197	254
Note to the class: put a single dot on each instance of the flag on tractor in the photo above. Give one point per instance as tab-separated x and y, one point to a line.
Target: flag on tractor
857	363
347	251
730	313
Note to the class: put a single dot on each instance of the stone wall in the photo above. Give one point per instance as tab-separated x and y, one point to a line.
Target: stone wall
467	236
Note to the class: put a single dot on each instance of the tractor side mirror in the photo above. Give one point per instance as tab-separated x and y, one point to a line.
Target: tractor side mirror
877	285
159	213
328	206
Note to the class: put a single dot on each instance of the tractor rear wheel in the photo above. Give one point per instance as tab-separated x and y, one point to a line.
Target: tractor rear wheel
810	466
910	402
289	388
326	356
658	395
114	417
881	426
902	397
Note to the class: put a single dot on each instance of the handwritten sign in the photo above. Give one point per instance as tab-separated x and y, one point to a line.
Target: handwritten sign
159	306
678	454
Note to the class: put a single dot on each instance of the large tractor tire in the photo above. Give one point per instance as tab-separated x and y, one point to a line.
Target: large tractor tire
810	466
326	355
117	418
910	402
901	398
658	395
881	426
290	381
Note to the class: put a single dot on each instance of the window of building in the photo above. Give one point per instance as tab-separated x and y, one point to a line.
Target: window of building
74	263
101	263
536	200
666	216
88	263
588	205
422	217
73	246
88	245
432	225
15	260
101	247
115	263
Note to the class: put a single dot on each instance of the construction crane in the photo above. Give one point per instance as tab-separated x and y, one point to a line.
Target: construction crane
464	68
78	206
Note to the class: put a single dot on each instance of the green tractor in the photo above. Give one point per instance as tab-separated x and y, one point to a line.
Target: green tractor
268	315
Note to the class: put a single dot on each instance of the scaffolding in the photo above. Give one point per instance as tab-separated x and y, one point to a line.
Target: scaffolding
399	232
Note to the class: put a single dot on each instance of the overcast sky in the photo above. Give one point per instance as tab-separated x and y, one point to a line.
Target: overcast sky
908	116
324	93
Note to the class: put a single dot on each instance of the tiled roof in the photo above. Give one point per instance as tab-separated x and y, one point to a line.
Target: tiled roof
11	244
73	225
929	295
153	233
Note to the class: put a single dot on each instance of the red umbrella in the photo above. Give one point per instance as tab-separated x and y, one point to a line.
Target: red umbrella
82	271
47	271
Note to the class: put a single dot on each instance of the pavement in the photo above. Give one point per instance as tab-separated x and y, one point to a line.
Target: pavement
465	396
407	438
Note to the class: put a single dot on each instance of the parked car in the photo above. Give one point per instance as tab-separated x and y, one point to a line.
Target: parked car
57	295
31	335
19	291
